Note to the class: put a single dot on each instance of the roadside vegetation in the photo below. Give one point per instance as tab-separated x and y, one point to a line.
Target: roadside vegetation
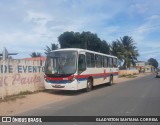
17	96
124	48
128	76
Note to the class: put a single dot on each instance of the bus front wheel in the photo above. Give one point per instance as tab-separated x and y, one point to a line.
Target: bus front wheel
89	85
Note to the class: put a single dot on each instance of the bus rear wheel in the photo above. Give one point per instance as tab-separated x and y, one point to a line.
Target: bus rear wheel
89	85
111	81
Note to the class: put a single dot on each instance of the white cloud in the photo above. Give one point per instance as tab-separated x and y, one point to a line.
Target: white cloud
150	25
154	17
139	8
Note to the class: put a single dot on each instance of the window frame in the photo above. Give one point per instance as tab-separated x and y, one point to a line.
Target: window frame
98	61
91	63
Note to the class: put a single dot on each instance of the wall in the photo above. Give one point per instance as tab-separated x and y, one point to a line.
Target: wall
20	75
121	72
149	68
140	64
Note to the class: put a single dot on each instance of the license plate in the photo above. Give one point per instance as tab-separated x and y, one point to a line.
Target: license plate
57	86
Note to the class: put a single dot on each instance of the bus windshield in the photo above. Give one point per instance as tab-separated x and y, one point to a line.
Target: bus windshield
61	63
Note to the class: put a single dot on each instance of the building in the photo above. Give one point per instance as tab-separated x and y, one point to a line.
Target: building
41	59
143	66
140	66
149	68
36	58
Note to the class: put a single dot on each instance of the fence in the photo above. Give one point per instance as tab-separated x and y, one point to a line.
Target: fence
121	72
20	75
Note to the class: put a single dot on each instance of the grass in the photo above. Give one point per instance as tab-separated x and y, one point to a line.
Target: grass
128	76
12	98
19	96
25	93
131	76
16	96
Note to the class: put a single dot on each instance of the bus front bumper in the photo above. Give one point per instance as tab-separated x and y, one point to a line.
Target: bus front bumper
65	86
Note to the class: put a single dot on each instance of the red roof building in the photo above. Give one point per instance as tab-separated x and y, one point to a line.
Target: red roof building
36	58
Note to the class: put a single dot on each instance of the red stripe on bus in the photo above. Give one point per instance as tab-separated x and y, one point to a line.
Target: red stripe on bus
61	78
81	76
95	75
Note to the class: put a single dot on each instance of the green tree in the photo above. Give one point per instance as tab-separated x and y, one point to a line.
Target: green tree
153	62
117	49
84	40
67	40
90	41
35	54
126	50
105	47
53	47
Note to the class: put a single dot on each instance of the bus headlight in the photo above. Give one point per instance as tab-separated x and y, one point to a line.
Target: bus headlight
45	78
72	79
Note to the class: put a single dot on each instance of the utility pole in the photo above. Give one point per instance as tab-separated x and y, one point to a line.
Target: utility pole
3	80
4	57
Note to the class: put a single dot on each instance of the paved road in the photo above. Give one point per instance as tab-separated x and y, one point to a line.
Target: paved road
139	97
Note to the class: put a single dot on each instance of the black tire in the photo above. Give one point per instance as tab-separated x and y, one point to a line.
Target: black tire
89	85
111	81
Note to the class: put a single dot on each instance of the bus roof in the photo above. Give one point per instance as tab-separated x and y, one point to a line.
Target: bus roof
84	50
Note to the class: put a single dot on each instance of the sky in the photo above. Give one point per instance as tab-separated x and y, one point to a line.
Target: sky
28	26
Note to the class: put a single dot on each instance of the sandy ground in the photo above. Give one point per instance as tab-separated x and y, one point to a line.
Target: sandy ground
28	102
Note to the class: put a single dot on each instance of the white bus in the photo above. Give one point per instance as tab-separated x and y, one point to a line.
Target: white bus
75	69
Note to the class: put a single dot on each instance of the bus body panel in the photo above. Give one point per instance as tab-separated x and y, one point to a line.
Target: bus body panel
99	75
59	86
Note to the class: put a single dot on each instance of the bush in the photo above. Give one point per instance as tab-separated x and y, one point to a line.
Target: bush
127	76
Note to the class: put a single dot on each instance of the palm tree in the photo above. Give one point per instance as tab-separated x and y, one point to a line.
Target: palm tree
125	50
34	54
129	51
117	49
53	47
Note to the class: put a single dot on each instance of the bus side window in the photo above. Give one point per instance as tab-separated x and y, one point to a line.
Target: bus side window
105	62
98	59
81	63
90	60
115	64
110	62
